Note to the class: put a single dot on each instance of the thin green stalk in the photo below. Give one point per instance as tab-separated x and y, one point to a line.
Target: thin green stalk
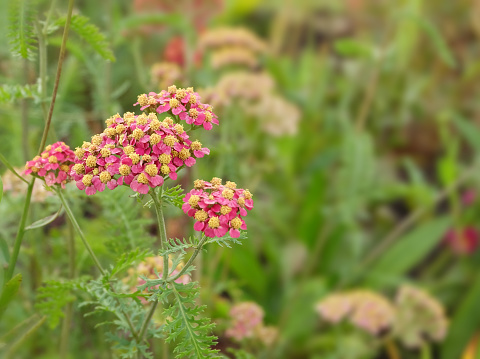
147	320
74	222
162	232
21	231
190	261
57	76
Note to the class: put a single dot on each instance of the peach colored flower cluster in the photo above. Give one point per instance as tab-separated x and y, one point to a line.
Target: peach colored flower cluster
365	309
247	323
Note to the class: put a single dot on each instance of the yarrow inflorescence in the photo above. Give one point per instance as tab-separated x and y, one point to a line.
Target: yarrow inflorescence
365	309
138	151
184	103
218	208
53	164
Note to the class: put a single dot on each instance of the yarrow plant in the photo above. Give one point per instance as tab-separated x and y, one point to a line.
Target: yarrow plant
218	208
53	165
141	152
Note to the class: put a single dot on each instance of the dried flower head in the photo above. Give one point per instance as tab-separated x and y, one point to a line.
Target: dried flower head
218	209
420	317
53	165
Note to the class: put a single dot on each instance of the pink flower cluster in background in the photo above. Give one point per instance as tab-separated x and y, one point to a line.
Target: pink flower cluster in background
138	151
53	164
184	103
218	208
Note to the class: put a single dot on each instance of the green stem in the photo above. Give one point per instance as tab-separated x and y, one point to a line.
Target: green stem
21	231
57	76
147	320
74	222
162	232
190	261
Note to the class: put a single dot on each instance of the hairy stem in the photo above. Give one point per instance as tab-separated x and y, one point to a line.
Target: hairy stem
198	249
147	320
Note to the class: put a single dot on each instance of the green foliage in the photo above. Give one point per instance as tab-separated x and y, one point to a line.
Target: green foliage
91	34
174	196
191	334
9	291
174	245
127	260
44	221
227	240
54	295
11	93
21	33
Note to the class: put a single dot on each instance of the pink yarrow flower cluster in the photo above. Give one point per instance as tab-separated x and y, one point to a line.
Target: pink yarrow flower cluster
53	164
218	208
184	103
137	151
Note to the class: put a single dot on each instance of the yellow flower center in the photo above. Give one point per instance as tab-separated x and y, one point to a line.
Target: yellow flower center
196	145
64	168
168	121
105	152
164	158
87	180
216	181
45	155
165	169
201	215
247	194
155	125
86	145
142	99
79	168
193	113
135	158
193	200
142	178
180	94
120	128
97	140
105	177
184	154
225	210
128	150
95	171
241	201
110	132
146	158
236	223
192	100
151	169
48	148
208	116
124	170
91	161
129	117
137	133
228	193
142	119
169	140
179	128
172	89
198	184
79	152
34	169
52	159
214	222
231	185
174	103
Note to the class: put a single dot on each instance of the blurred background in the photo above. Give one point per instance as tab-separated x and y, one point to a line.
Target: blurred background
354	123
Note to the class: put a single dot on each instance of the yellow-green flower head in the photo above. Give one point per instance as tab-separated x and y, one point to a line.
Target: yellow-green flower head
105	177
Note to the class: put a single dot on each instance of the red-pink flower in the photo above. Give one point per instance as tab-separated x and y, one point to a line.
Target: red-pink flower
136	151
463	241
218	208
53	164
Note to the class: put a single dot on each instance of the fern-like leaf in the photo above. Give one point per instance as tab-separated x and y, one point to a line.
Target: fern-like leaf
126	260
20	30
227	240
91	34
10	93
173	245
174	196
191	333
